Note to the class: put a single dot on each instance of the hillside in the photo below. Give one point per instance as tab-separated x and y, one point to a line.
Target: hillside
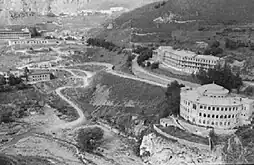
68	6
183	23
186	15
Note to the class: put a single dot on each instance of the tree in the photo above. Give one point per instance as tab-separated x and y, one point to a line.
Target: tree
90	138
171	104
215	44
2	80
155	65
34	32
221	75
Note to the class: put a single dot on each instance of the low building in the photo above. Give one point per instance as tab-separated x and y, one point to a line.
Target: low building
12	35
15	72
184	61
212	105
36	76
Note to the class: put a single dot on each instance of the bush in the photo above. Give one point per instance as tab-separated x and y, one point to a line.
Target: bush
171	104
155	65
90	138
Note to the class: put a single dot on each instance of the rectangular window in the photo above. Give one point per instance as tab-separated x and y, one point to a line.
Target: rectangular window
209	108
213	108
201	106
194	106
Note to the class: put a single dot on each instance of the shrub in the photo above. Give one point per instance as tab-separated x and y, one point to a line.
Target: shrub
90	138
155	65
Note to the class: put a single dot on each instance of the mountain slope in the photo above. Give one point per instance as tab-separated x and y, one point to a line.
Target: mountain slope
162	20
71	6
209	11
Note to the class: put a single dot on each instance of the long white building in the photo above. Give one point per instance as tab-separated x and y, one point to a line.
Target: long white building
184	61
212	105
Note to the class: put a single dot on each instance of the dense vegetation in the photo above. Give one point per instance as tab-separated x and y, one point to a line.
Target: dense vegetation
144	54
104	44
171	103
221	75
17	104
89	138
214	49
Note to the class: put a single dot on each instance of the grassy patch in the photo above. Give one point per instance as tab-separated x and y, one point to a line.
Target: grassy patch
24	160
174	74
145	96
179	133
17	104
66	111
117	100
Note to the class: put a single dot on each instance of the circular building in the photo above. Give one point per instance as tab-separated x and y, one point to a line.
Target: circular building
212	105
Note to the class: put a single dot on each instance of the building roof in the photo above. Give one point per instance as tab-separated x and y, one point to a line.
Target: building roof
186	53
197	95
212	89
38	72
11	31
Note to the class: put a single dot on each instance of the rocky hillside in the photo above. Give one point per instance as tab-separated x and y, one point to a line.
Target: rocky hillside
156	150
68	6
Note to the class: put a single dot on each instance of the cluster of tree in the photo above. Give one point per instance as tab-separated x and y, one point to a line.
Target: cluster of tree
144	54
34	32
69	38
171	103
235	44
9	114
129	60
102	43
155	65
90	138
214	49
221	75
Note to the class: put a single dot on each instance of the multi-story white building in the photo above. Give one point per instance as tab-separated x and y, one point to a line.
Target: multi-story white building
184	61
37	76
212	105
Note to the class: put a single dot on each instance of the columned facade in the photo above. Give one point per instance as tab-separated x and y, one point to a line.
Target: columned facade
211	105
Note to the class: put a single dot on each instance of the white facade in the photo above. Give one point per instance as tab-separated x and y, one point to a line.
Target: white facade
184	61
27	42
212	105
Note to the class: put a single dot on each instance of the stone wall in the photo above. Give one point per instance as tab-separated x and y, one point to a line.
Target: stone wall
182	141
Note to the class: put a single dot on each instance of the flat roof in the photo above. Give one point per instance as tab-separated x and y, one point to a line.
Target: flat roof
36	72
194	96
186	53
12	31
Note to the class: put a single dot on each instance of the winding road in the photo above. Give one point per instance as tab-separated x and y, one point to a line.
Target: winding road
139	75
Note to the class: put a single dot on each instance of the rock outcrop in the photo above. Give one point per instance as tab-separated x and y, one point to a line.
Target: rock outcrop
67	6
156	150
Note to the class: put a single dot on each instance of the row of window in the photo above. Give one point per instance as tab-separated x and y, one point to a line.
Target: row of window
217	116
218	108
214	123
196	59
37	76
214	96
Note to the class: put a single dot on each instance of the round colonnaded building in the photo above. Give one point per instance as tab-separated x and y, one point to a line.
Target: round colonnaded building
212	105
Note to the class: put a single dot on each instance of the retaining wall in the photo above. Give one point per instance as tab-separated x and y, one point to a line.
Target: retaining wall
182	141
